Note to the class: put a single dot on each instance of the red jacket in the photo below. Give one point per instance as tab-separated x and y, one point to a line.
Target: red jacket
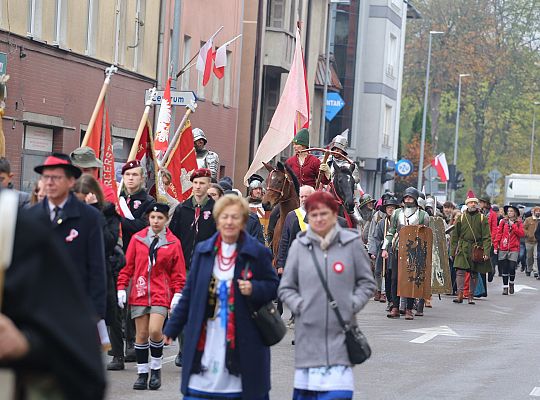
154	287
306	173
508	236
492	222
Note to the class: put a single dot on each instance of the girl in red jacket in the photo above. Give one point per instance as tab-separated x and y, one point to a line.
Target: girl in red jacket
506	245
155	265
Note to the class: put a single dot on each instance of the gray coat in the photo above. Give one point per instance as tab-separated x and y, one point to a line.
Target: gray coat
319	338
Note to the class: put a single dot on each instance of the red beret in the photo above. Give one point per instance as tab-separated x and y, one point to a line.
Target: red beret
130	165
201	173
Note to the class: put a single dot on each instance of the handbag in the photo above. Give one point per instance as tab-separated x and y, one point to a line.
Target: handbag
477	251
267	320
356	342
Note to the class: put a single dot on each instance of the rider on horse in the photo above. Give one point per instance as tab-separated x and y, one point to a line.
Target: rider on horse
339	145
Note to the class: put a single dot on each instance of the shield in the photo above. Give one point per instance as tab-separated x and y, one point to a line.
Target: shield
441	282
414	261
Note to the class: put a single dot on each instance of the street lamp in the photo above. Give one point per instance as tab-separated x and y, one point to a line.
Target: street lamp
424	115
453	190
536	103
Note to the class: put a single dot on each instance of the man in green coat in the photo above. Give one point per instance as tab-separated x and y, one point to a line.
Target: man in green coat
472	229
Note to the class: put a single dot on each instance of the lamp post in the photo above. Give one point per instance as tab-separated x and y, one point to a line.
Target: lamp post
453	190
424	115
536	103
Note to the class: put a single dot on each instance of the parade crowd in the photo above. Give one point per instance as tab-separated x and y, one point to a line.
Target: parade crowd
89	266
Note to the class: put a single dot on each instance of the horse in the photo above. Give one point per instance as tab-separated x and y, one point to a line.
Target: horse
342	187
282	187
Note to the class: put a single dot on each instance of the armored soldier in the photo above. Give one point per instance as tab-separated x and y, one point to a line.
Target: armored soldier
339	144
205	158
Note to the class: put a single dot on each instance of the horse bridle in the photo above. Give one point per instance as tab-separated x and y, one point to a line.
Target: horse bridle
282	191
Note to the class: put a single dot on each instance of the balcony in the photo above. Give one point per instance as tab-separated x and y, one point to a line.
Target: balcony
278	49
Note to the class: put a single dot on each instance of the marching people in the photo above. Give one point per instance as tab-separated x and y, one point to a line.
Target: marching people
448	211
38	193
6	177
155	265
193	221
255	191
530	224
77	225
205	158
323	367
491	215
231	273
410	214
366	208
304	165
215	191
506	246
85	159
339	145
470	245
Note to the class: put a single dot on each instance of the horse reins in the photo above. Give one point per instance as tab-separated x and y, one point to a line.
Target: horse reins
282	191
341	204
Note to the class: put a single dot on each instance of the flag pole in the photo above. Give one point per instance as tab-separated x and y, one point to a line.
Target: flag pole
109	72
191	107
196	54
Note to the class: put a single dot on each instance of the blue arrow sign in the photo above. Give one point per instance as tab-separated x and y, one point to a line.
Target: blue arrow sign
334	104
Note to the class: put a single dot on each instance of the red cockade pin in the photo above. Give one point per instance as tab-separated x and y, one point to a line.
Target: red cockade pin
338	267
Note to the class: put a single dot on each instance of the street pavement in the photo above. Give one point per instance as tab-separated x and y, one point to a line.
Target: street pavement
456	351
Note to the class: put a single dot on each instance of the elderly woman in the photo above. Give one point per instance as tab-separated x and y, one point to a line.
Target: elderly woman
224	356
322	362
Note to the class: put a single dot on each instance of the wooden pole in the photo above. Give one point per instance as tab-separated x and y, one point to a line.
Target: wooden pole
196	54
319	176
108	74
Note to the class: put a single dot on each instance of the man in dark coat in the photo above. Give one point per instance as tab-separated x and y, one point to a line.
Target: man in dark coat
76	225
193	221
6	181
47	327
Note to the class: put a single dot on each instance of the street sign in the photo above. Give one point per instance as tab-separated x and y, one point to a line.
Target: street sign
493	189
404	167
430	333
3	63
178	98
494	175
334	104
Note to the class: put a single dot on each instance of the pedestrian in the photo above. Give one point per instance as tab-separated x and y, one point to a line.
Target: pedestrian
6	181
224	356
77	225
339	145
471	232
215	191
322	365
193	221
507	244
366	208
529	226
155	265
304	165
38	193
85	159
253	225
205	158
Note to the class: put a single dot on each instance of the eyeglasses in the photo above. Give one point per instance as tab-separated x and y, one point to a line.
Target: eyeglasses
53	178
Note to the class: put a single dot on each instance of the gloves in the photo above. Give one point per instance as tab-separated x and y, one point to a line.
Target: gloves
325	169
122	298
176	298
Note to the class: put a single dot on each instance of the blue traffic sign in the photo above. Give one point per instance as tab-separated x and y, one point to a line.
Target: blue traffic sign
334	104
404	167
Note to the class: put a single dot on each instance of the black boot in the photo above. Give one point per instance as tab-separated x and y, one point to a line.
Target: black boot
141	382
130	353
117	364
155	379
178	360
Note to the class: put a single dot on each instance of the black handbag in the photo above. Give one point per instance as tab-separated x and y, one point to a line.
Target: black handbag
356	342
267	320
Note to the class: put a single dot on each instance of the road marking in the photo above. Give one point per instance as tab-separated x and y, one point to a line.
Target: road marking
519	288
167	360
430	333
535	392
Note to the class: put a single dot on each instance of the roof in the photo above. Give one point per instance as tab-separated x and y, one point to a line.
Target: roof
334	83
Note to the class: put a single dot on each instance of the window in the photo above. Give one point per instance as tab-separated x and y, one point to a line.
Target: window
292	16
187	57
60	22
37	145
276	13
227	81
215	89
120	33
138	44
392	65
387	129
34	18
91	29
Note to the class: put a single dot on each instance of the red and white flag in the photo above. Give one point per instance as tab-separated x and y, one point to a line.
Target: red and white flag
161	142
220	61
291	115
108	177
440	164
205	60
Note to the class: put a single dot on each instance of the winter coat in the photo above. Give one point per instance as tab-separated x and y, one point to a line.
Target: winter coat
138	203
254	227
462	241
508	237
319	338
182	226
80	229
156	285
493	224
529	227
254	356
306	173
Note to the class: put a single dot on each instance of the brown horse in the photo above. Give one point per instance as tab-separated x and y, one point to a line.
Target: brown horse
282	188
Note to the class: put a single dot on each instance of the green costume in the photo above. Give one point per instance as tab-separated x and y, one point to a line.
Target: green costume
463	240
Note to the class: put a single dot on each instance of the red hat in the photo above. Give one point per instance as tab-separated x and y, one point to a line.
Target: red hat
201	173
59	160
131	165
470	197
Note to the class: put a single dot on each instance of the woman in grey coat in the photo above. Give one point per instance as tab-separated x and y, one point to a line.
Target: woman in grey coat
322	362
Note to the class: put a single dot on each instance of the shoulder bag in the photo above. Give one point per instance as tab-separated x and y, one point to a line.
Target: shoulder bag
477	251
267	320
356	342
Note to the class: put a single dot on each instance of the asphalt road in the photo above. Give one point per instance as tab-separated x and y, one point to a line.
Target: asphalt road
488	351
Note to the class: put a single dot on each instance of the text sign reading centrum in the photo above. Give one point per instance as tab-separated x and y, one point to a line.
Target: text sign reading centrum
178	98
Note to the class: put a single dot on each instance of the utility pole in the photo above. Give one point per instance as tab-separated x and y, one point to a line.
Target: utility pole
452	189
330	26
175	52
536	103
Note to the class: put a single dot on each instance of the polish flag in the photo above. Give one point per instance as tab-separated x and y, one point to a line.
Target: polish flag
108	177
220	61
440	164
164	123
205	60
291	115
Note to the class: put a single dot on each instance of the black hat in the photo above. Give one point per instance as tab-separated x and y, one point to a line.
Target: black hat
411	192
59	160
159	207
392	201
513	208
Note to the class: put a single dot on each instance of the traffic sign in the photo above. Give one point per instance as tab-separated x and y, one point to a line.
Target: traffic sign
494	175
404	167
493	189
334	104
178	98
